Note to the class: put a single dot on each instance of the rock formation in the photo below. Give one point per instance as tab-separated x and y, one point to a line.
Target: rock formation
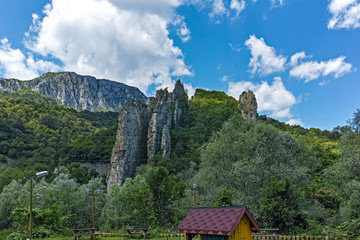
247	105
129	150
76	91
144	131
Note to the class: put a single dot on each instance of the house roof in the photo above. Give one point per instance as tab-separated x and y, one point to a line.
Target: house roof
215	220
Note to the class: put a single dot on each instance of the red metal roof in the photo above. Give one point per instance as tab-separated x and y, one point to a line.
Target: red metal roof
215	220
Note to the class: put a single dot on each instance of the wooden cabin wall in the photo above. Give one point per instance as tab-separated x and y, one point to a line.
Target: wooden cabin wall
242	231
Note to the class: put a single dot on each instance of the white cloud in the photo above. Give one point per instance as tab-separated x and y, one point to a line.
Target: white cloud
235	48
312	70
264	59
345	14
122	40
189	89
221	8
163	8
14	64
224	78
294	60
295	122
276	3
274	98
218	9
237	6
183	31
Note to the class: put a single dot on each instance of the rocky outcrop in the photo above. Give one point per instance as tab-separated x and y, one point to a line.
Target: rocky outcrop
130	148
76	91
247	105
165	142
144	131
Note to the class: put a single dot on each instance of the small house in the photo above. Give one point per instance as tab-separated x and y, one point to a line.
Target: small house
219	223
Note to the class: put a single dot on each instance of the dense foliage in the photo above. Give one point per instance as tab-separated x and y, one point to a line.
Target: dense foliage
36	133
207	112
299	180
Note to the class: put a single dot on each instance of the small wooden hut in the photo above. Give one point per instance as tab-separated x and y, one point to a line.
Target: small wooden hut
219	223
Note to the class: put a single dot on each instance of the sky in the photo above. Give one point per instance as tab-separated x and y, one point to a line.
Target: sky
301	58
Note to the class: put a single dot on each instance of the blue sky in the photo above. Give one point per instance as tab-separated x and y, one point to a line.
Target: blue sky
300	57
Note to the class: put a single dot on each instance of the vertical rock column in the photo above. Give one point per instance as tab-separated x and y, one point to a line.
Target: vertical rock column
161	115
144	131
129	150
248	106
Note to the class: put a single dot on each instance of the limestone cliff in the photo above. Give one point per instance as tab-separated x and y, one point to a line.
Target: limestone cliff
247	105
129	150
76	91
144	131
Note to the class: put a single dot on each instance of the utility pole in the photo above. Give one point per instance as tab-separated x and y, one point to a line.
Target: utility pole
39	174
97	192
30	217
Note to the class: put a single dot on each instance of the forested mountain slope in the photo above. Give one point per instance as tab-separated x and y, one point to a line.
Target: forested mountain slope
36	132
300	180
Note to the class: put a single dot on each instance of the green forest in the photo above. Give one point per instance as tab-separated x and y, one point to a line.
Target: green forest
302	181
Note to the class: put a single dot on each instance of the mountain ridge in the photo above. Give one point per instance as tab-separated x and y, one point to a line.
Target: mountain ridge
77	91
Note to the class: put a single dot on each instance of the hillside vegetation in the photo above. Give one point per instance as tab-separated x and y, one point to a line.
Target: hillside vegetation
299	180
37	135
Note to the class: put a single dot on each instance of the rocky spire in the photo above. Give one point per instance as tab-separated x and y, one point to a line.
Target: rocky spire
129	150
144	131
247	105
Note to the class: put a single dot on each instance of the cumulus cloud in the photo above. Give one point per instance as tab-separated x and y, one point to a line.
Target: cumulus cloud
125	40
294	60
345	14
274	98
163	8
311	70
237	6
218	9
264	59
14	64
295	121
183	31
190	90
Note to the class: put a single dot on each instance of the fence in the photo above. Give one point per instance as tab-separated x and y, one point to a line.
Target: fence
272	237
281	237
268	237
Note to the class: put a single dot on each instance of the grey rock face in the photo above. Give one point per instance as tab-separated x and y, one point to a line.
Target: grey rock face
144	131
160	117
129	150
165	142
248	106
76	91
